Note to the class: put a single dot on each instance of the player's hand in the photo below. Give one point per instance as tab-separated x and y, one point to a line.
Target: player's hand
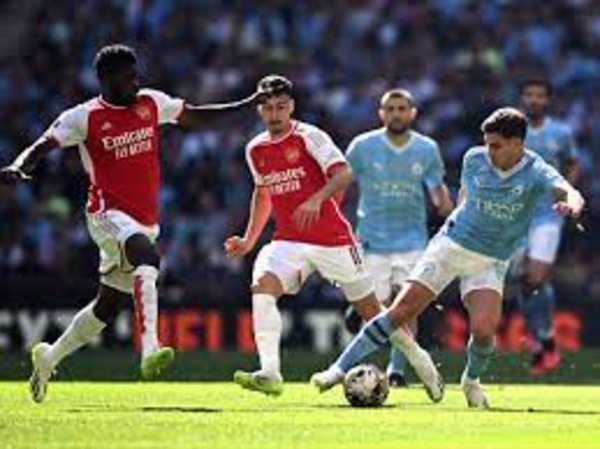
12	175
236	247
564	208
307	214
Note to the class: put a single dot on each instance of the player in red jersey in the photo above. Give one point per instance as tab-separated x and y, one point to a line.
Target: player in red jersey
118	140
297	171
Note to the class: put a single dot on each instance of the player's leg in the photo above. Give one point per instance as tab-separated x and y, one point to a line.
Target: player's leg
129	262
277	270
485	310
537	299
381	272
400	267
388	326
482	296
84	327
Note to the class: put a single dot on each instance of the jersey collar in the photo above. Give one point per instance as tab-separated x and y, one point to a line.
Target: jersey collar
107	104
505	174
395	148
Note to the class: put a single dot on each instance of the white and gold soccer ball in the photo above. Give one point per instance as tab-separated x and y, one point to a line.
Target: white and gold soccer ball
366	386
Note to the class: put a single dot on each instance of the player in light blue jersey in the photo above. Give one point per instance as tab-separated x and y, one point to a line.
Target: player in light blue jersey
502	184
553	141
392	166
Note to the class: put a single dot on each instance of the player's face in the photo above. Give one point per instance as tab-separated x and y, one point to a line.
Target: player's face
535	100
397	114
276	113
122	85
505	152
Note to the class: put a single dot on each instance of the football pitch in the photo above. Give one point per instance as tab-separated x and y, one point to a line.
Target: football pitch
220	415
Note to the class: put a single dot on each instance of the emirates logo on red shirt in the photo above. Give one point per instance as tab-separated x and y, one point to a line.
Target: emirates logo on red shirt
292	155
143	112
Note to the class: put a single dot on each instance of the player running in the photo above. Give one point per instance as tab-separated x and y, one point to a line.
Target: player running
553	141
392	165
502	184
117	137
298	170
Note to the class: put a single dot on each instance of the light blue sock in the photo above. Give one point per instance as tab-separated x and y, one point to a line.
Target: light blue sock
372	336
397	361
478	358
538	312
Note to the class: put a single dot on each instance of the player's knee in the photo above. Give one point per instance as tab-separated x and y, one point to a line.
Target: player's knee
530	284
267	284
108	303
141	251
483	331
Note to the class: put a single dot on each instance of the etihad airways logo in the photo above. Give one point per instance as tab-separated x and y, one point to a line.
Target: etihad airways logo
129	143
284	181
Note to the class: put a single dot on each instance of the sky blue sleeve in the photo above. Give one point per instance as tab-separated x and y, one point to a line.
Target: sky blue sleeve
466	168
353	155
434	176
548	177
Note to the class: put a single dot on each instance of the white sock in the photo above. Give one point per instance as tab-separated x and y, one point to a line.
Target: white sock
145	297
403	340
267	333
83	328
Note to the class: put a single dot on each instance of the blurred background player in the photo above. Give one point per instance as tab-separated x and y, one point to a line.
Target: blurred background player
298	170
502	184
392	165
118	141
553	141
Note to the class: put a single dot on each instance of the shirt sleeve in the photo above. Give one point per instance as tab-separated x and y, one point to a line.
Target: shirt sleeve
548	177
70	128
434	175
322	149
258	179
169	108
353	156
466	168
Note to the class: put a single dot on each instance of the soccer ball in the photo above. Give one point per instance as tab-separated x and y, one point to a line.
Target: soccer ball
366	386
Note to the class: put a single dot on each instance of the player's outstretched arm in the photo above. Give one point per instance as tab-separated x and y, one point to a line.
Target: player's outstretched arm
260	211
21	168
197	115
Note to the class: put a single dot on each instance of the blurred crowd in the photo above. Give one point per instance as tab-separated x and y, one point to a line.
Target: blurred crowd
461	59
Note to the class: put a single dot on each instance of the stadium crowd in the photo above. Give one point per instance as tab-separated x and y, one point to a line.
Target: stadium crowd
461	59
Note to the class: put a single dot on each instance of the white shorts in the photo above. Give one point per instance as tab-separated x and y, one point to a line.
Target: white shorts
543	241
444	260
110	230
390	270
293	262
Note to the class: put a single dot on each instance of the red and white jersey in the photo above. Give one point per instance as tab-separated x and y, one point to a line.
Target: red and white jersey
118	147
294	167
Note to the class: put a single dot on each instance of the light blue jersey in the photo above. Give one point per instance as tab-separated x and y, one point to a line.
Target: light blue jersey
553	141
392	214
498	206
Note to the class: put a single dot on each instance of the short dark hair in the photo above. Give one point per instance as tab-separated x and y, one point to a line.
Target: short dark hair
536	81
113	56
398	93
508	122
272	85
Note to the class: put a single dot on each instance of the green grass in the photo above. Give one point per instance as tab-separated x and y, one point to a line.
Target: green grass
220	415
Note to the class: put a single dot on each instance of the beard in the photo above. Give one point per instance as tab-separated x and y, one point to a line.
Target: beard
396	129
